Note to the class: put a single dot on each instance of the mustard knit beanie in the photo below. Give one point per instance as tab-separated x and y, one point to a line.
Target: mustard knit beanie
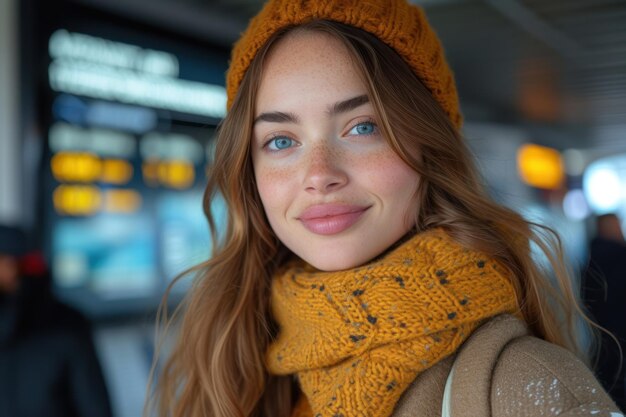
398	24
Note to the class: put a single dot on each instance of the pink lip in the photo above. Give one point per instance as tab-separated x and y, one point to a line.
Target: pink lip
330	219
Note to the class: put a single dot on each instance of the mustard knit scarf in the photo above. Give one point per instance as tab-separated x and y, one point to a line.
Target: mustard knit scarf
357	338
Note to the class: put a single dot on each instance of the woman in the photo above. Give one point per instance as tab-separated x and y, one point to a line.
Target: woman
363	267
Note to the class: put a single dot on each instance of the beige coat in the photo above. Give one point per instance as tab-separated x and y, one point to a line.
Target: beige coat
501	371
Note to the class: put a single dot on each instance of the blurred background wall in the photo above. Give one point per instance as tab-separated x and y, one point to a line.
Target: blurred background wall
108	110
9	138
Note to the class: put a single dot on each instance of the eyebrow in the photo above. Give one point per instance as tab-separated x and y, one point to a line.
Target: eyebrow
347	105
277	117
337	108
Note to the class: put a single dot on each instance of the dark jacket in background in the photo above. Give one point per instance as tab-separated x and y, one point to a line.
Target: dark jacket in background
48	364
605	297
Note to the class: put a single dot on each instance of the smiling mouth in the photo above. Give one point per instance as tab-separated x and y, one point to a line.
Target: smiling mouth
331	219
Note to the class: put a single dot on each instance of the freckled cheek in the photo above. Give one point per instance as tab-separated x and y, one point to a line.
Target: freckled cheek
388	175
275	188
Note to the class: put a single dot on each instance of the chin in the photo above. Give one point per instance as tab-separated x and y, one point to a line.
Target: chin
333	263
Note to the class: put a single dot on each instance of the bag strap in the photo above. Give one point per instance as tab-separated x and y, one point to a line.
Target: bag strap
446	405
470	376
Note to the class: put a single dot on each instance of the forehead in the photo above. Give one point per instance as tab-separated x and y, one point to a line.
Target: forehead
309	64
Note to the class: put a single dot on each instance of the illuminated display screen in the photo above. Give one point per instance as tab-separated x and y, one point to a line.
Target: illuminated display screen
129	123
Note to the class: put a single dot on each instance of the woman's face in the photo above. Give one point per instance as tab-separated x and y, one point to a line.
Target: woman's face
333	190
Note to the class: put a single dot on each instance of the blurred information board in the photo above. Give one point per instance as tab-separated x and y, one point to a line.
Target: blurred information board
129	115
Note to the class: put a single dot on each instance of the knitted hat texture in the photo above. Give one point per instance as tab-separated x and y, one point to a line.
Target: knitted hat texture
401	26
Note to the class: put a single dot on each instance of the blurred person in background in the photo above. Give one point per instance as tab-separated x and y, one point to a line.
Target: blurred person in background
605	297
48	363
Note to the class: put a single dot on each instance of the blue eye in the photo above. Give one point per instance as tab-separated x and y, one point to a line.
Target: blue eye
280	143
365	128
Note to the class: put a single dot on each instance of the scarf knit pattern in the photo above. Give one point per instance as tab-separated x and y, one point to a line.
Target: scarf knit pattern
357	338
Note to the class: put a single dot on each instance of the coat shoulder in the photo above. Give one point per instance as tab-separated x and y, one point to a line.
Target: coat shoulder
533	377
502	371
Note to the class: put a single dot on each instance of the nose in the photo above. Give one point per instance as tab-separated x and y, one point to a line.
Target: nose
325	170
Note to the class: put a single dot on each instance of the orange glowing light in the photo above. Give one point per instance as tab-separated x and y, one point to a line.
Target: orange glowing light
78	167
122	201
77	200
180	174
174	174
539	166
150	170
116	171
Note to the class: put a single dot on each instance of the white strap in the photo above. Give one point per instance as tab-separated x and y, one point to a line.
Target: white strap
446	405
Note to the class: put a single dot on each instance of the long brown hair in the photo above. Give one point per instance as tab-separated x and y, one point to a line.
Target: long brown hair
217	365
